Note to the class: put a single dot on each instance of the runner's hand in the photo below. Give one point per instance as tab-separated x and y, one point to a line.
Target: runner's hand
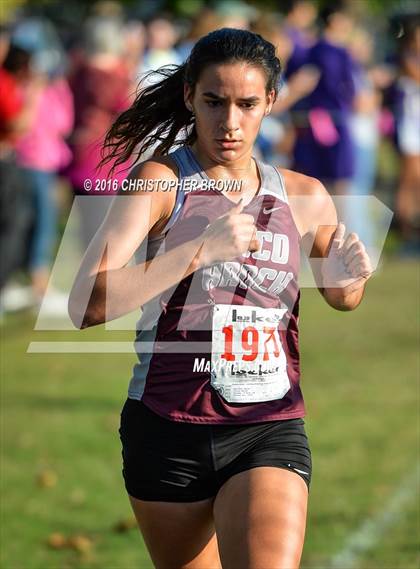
348	265
229	236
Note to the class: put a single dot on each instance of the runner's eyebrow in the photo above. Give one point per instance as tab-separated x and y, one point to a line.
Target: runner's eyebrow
252	99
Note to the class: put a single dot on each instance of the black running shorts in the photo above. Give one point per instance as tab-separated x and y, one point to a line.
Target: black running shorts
175	461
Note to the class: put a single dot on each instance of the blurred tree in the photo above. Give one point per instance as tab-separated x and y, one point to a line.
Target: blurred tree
187	8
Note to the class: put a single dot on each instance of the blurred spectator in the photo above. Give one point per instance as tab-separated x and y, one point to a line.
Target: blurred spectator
276	137
41	152
15	211
408	136
39	37
205	21
134	47
161	39
101	89
108	9
235	14
299	19
15	74
364	125
324	147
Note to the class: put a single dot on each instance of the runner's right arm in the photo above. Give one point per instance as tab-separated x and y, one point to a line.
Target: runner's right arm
106	288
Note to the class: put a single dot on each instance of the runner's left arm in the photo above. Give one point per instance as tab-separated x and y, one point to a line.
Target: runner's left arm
340	265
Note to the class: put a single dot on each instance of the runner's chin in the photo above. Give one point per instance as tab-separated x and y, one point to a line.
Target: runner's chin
228	154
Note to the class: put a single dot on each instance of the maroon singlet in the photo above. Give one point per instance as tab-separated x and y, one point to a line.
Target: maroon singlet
242	314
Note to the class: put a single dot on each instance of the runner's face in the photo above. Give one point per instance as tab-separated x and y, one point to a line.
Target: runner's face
229	103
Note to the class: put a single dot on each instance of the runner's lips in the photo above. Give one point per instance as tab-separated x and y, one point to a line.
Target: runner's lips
228	143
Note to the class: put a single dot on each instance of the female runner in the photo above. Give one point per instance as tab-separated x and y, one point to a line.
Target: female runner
216	461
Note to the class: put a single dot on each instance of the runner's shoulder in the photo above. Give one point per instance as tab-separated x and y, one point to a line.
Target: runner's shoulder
298	184
310	203
159	198
155	168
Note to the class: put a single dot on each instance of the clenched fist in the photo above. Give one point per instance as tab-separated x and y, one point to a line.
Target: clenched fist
228	236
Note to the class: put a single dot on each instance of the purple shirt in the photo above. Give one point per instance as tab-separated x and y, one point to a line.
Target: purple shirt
301	48
335	90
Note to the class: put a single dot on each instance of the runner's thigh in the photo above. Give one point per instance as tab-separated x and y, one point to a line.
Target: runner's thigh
260	519
178	535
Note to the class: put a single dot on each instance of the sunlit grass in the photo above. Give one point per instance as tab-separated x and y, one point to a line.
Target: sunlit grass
61	467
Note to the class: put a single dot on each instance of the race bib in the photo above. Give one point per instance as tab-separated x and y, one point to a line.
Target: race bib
248	363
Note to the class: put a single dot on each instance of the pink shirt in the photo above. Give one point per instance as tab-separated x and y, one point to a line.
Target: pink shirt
43	146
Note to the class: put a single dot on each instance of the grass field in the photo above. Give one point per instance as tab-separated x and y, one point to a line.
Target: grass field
61	469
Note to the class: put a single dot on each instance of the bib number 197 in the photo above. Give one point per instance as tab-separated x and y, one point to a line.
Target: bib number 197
248	362
250	340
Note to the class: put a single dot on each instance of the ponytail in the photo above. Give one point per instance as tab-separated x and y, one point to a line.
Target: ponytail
158	114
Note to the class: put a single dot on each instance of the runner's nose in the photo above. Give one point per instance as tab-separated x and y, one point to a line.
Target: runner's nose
230	122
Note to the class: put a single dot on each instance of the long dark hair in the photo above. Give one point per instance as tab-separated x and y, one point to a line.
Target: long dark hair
159	114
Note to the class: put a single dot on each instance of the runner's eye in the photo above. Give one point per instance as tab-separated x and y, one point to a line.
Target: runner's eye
213	104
